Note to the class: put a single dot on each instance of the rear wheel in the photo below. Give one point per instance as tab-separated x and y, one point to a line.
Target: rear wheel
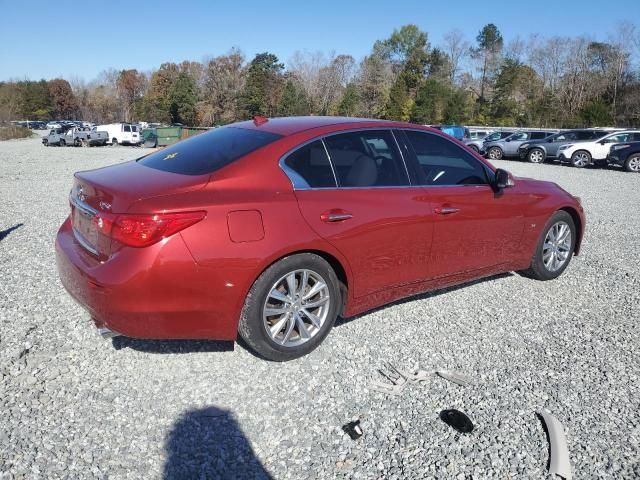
580	159
76	142
45	142
291	307
535	155
495	153
632	164
474	148
554	249
114	142
62	143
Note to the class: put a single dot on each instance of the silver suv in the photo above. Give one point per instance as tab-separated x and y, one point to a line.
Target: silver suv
477	144
508	147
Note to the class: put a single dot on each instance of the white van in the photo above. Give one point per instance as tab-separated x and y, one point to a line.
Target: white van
121	133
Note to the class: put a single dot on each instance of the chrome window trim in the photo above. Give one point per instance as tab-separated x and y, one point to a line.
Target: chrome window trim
298	183
484	167
82	205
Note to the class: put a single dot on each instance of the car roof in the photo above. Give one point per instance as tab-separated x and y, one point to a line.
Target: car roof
291	125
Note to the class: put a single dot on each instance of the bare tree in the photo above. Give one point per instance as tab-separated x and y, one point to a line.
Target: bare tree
457	48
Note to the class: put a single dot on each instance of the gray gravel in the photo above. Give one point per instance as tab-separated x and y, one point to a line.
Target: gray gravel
75	406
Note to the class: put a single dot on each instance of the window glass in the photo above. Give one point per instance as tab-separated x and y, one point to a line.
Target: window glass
209	151
519	136
635	137
309	166
134	128
539	135
445	163
620	137
127	128
366	159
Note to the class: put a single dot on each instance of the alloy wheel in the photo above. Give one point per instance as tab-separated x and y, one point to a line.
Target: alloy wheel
495	153
557	246
581	159
536	156
634	164
296	307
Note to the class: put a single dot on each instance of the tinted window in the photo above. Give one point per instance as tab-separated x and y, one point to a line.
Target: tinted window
617	138
366	159
134	128
309	166
539	135
635	137
127	128
207	152
444	163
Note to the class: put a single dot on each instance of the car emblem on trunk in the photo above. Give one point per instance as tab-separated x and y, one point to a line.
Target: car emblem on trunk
105	205
170	156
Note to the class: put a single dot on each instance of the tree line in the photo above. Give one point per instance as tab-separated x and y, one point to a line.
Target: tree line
544	82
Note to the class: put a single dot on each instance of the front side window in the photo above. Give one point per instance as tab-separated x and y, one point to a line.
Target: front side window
134	128
519	136
444	163
127	128
366	159
539	135
309	167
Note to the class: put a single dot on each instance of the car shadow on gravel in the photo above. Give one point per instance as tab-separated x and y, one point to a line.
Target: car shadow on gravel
423	296
7	231
208	443
172	346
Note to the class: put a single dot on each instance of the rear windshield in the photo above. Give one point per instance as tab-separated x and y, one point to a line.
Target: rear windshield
207	152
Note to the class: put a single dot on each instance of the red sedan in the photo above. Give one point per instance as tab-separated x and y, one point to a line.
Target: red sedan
272	228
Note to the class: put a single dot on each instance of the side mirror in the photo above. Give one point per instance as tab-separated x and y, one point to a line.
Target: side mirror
503	179
602	142
507	139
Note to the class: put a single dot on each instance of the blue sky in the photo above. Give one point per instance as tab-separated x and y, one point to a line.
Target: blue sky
81	38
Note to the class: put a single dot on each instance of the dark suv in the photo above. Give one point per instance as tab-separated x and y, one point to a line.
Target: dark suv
537	151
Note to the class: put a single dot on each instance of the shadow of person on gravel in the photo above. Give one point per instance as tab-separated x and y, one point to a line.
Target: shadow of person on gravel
4	233
208	443
172	346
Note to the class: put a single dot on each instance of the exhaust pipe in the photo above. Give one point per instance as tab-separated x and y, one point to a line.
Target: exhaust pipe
106	333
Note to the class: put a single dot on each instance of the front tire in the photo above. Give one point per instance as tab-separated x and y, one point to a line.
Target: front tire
632	164
114	142
291	307
580	159
554	249
495	153
535	155
62	143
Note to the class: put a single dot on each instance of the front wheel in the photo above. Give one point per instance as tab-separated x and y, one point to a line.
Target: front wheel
632	164
62	143
291	307
581	159
114	142
554	249
495	153
536	155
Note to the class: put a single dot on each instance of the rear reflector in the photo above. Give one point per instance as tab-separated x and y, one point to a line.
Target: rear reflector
144	230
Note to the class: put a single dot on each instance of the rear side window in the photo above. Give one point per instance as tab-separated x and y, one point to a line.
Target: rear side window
539	135
207	152
309	167
367	158
127	128
444	163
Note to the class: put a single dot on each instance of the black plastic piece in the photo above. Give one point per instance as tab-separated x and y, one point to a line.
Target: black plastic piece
457	420
353	429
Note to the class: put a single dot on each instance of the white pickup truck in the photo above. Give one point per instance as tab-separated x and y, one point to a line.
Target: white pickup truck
121	133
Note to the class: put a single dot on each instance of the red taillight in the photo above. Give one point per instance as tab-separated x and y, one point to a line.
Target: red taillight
143	230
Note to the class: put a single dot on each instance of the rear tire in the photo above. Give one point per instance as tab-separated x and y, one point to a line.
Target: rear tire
495	153
474	148
62	143
536	155
632	164
114	142
76	142
278	303
580	159
554	250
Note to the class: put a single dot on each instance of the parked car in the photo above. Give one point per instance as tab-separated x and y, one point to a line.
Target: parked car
456	131
508	147
53	125
537	151
582	154
271	229
626	155
477	144
75	136
122	133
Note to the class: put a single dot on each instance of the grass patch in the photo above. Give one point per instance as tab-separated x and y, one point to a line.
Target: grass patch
9	133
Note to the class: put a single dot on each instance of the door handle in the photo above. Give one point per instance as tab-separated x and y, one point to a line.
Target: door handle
335	216
446	210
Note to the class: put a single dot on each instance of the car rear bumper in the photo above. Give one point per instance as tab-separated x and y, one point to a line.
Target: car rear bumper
157	292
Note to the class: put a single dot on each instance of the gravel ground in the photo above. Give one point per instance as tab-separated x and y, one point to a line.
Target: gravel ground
75	406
